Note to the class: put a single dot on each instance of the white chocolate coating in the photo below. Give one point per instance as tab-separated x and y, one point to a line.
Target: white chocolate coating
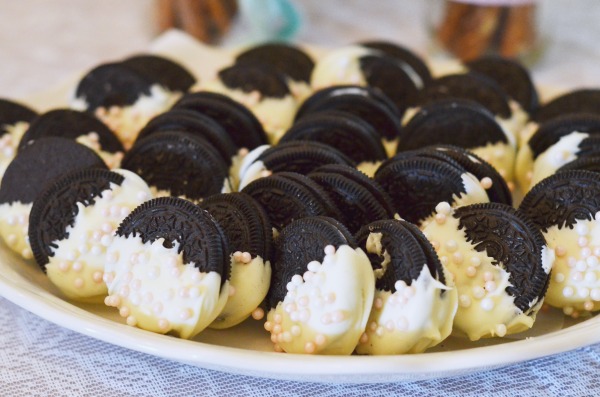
501	156
485	308
575	282
9	142
154	290
127	121
325	310
249	283
413	318
91	140
77	266
556	156
14	227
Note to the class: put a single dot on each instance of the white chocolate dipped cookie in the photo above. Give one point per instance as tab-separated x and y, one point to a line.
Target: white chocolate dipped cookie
415	302
565	206
72	223
322	289
499	262
167	268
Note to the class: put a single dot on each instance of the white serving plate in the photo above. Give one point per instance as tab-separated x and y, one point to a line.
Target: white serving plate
247	349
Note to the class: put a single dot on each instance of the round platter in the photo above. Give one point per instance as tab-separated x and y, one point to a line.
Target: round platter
246	349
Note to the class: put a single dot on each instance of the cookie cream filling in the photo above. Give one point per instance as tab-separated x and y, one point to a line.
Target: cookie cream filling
275	114
326	309
249	283
9	143
557	155
412	318
155	290
575	282
127	121
14	227
77	264
369	168
91	140
485	308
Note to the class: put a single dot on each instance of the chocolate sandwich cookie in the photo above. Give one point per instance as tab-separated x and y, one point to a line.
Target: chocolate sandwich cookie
374	188
352	194
178	164
294	156
71	124
290	60
414	304
244	222
249	233
417	184
122	83
565	208
12	112
125	95
346	132
495	186
161	70
167	268
184	120
365	66
79	126
111	84
263	90
404	55
500	264
25	177
554	143
512	76
42	161
72	222
472	86
321	290
286	197
14	121
465	124
457	122
392	77
238	121
584	100
364	102
588	163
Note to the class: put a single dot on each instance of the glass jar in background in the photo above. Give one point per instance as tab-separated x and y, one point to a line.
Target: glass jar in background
467	29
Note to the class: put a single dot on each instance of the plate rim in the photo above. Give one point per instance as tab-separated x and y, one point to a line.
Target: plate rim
27	294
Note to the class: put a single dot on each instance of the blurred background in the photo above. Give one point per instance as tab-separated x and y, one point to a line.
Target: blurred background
45	42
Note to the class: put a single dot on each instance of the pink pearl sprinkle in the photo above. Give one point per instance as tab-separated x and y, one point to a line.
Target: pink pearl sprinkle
310	347
163	324
78	283
560	251
337	316
326	318
378	303
97	277
320	339
124	311
258	314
